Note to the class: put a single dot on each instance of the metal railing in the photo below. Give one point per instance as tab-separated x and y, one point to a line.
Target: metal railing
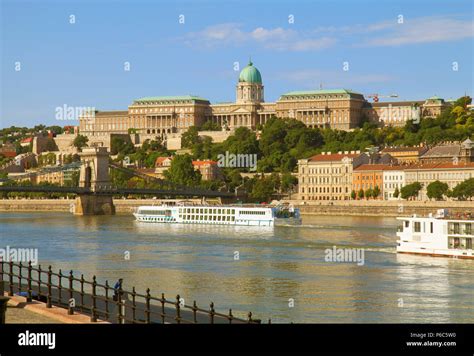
103	302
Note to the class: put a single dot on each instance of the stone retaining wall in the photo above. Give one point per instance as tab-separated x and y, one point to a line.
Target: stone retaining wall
354	208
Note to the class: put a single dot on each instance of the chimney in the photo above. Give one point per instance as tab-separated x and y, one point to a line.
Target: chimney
357	152
346	152
340	152
329	152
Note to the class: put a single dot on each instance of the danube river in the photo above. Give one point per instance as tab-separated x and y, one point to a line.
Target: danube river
280	273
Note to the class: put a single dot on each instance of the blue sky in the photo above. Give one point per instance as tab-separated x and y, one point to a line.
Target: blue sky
82	64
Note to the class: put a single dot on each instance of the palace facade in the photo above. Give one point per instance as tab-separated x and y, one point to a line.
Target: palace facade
165	116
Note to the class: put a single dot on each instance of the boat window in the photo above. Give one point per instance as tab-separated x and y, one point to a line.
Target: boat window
468	229
407	223
456	228
431	227
417	226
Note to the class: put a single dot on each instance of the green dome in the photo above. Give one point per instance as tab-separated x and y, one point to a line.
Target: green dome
250	74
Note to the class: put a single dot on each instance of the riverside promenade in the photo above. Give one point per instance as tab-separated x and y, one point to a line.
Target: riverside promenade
349	207
19	311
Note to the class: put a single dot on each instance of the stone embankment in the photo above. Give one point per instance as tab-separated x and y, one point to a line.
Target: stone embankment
384	208
353	208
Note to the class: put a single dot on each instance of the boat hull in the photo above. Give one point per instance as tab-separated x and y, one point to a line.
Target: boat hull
457	254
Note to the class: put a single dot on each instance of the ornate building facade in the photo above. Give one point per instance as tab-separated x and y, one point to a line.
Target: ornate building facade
165	116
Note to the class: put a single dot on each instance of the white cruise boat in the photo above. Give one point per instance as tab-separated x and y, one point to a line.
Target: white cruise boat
240	215
438	235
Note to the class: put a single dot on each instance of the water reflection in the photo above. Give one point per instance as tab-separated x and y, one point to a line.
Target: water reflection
275	265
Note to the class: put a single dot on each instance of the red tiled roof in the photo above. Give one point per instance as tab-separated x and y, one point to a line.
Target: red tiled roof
202	163
159	160
28	139
377	167
441	165
404	149
9	154
333	157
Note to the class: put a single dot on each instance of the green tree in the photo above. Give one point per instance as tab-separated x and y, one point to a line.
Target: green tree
464	190
56	130
210	126
436	190
288	182
121	145
369	193
182	171
80	142
376	192
50	145
360	194
190	137
262	190
411	190
396	192
353	194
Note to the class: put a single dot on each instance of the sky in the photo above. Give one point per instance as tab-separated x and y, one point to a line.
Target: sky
76	53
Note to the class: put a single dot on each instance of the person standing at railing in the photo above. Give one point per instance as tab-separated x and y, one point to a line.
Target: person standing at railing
118	289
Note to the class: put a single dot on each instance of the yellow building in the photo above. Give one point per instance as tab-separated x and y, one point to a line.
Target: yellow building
328	176
406	155
449	173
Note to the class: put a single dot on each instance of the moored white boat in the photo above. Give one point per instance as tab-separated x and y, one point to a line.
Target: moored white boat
437	235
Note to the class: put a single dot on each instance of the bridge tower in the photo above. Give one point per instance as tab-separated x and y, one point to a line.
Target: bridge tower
94	175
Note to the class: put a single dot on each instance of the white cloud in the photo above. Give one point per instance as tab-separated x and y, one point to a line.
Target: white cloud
274	38
385	33
423	30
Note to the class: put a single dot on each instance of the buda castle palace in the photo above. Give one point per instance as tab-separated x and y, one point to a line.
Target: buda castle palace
169	116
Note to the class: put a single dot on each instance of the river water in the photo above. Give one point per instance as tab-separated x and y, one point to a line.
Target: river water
279	273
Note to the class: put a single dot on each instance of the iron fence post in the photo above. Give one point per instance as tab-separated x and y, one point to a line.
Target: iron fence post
178	309
71	300
2	283
30	294
49	297
10	292
134	306
211	313
60	287
94	286
147	311
39	281
119	305
195	312
82	293
163	308
20	276
107	287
